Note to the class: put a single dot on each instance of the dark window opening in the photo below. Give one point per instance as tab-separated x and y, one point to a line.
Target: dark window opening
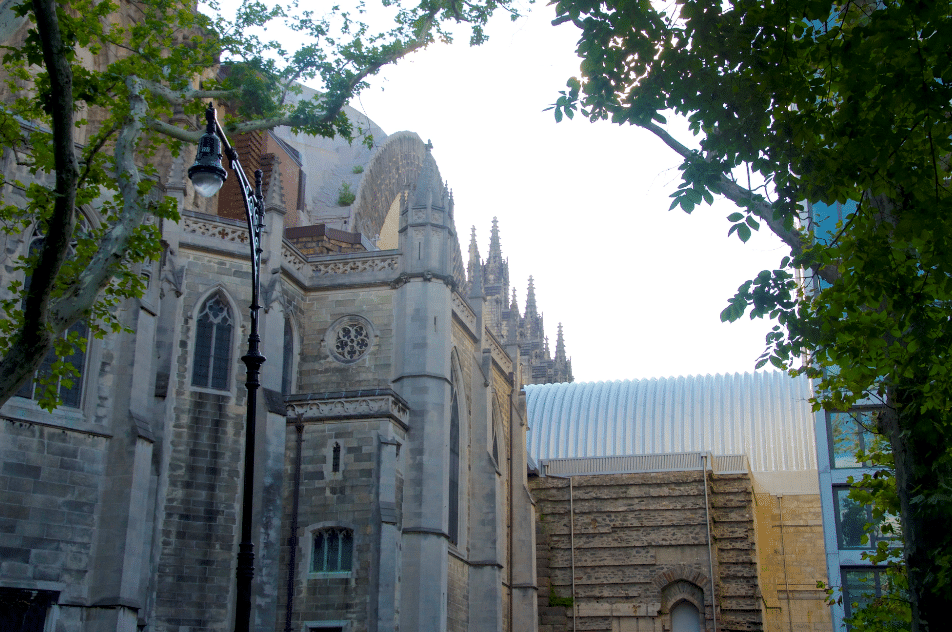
212	365
453	522
288	365
333	550
24	610
335	460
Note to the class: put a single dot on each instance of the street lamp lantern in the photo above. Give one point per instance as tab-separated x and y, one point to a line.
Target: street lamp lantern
208	176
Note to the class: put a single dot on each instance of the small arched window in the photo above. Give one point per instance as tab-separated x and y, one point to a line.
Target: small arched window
212	362
333	550
335	458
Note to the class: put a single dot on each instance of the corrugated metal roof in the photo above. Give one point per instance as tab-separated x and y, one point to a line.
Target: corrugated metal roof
764	415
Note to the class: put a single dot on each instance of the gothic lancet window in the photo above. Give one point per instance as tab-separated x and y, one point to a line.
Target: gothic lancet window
453	523
70	390
288	366
212	363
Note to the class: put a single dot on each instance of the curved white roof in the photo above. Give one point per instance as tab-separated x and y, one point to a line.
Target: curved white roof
765	415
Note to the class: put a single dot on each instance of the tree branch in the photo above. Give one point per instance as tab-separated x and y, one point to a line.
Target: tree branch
35	338
180	97
77	300
745	198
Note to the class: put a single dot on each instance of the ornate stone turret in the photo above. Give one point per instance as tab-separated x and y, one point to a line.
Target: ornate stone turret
531	309
562	367
474	269
525	330
496	281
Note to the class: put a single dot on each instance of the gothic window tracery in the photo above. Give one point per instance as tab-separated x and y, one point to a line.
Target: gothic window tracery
333	550
350	339
212	362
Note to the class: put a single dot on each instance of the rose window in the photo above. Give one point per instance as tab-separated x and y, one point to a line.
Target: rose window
351	340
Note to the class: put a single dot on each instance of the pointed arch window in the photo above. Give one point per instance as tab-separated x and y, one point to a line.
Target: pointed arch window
69	389
212	361
288	366
453	522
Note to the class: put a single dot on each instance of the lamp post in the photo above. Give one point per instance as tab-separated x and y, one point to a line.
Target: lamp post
208	176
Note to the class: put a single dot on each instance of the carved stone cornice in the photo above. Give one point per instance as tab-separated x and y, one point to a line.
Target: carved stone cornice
348	406
215	227
499	355
323	266
464	312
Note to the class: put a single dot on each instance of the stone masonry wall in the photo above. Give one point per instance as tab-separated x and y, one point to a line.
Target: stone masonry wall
790	543
319	372
199	516
457	596
345	498
732	516
49	491
639	539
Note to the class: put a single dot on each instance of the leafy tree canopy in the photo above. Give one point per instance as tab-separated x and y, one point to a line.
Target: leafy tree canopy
801	104
94	93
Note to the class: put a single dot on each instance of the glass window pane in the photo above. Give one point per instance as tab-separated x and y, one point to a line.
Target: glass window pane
346	550
203	352
859	588
222	359
333	551
849	434
852	518
318	563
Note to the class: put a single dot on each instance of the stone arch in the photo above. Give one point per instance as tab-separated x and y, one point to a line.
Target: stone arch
683	583
392	170
681	572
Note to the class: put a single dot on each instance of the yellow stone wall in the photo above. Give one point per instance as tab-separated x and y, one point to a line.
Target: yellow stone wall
791	557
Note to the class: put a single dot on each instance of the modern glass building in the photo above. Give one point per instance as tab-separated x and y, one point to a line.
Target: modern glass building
840	436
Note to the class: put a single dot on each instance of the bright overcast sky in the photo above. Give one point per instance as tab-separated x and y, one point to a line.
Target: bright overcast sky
582	207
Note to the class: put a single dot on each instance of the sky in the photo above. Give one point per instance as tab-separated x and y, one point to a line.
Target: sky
582	207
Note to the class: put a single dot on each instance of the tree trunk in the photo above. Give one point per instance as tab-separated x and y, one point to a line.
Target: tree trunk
921	453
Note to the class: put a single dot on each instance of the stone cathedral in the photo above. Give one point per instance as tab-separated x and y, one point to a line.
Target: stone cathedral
391	458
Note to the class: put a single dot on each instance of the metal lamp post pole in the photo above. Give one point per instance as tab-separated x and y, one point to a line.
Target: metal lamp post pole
254	213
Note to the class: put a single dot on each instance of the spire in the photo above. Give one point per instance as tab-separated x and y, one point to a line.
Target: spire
474	269
531	299
560	346
495	250
514	306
